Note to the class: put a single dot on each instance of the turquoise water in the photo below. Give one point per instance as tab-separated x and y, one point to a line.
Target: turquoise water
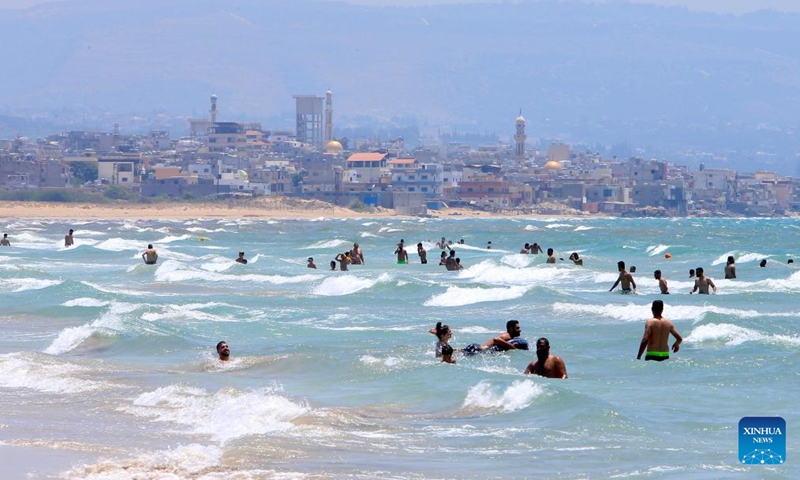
108	369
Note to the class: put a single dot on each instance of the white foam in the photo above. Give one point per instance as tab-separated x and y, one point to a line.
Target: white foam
119	245
327	244
459	296
531	228
174	238
369	235
558	225
582	228
224	415
31	371
490	272
632	312
518	260
520	394
732	335
347	284
110	322
24	284
387	362
654	250
184	461
85	302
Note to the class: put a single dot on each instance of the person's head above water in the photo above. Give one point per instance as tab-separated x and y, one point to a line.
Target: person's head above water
223	350
513	328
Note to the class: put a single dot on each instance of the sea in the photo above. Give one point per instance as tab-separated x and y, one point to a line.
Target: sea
108	366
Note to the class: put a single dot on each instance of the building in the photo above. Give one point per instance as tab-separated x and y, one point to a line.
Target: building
519	140
309	113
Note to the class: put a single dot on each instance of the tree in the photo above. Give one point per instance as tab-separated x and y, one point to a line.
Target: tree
83	172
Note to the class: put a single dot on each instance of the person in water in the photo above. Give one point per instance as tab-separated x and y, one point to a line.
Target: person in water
577	260
241	259
312	265
357	255
150	256
333	265
510	340
402	255
625	278
662	283
224	351
551	257
423	255
5	242
443	334
701	283
447	354
546	365
656	336
68	240
730	268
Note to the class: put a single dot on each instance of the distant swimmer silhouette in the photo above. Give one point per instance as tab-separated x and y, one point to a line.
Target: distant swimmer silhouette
68	240
241	259
5	242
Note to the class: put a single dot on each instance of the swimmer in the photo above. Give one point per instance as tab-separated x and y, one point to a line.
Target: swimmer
510	340
333	265
443	259
691	273
730	268
150	256
402	255
224	351
763	263
442	243
551	258
489	246
576	259
546	365
343	260
423	255
525	249
633	268
662	283
447	354
656	336
356	255
535	248
241	259
702	283
5	242
451	263
443	333
68	240
625	278
458	264
312	265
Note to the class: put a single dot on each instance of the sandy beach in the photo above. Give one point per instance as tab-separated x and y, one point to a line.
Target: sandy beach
281	207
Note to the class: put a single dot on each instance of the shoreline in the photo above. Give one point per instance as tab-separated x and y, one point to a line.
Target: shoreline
268	209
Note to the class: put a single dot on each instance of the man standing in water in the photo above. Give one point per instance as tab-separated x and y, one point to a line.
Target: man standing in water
241	259
150	256
68	240
546	365
730	268
402	255
5	242
656	336
343	261
702	283
662	283
224	351
625	278
423	255
357	255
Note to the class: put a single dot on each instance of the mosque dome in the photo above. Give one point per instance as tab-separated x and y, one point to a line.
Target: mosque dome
334	147
552	165
520	119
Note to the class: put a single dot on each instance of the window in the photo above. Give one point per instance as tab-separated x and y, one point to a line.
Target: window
424	189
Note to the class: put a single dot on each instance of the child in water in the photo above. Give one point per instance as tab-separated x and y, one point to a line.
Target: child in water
447	354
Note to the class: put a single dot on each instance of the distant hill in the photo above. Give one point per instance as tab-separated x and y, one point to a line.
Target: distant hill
655	77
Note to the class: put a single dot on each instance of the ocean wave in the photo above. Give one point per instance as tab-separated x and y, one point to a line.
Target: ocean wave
459	296
225	415
531	228
327	244
347	284
559	225
16	285
517	396
110	323
732	335
85	302
44	374
654	250
582	228
176	272
119	245
632	312
175	238
183	461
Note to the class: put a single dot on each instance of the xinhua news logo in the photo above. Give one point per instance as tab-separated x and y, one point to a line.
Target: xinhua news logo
762	440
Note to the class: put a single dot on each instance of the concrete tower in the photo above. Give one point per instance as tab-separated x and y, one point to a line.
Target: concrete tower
309	120
213	109
328	117
519	139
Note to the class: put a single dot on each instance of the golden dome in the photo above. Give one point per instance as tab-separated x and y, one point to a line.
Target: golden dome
334	147
552	165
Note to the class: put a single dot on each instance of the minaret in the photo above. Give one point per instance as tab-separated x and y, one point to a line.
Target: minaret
213	109
519	139
328	117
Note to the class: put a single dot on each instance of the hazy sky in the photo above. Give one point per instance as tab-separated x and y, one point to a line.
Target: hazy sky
725	6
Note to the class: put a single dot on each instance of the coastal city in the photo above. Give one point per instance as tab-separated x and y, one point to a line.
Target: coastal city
224	159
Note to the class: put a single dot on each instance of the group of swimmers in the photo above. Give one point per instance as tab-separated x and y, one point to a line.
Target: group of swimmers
545	365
